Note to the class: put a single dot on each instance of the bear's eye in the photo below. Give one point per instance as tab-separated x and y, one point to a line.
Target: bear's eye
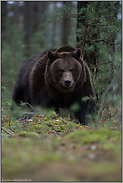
71	70
61	70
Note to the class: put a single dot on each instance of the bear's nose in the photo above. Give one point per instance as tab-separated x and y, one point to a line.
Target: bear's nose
67	82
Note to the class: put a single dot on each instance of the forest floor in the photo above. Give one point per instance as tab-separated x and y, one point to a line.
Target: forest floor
45	148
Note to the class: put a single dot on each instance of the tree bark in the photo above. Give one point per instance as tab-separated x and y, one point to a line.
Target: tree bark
80	20
3	15
32	16
66	29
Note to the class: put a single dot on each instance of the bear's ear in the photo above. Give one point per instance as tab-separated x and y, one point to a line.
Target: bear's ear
51	55
77	53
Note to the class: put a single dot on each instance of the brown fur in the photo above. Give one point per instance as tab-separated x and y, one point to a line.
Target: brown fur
56	78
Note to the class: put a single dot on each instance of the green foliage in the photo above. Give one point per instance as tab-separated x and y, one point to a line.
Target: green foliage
75	107
101	22
108	67
65	11
12	57
99	35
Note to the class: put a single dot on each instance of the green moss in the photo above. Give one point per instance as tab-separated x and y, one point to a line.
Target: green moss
47	146
28	134
71	154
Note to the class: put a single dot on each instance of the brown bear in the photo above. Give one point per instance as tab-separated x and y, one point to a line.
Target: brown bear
57	78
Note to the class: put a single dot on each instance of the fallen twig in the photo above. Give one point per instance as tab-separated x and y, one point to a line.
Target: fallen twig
29	105
60	118
8	132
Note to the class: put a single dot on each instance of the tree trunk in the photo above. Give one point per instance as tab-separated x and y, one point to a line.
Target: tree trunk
80	20
32	16
89	56
3	15
66	29
16	12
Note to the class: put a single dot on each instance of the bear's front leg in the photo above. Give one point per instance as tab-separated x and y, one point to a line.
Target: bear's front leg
81	114
57	110
86	110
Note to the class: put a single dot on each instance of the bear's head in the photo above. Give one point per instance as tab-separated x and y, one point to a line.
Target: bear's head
64	69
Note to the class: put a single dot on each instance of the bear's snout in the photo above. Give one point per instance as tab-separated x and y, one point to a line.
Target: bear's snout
67	82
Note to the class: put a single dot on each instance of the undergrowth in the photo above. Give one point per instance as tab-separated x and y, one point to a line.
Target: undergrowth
46	147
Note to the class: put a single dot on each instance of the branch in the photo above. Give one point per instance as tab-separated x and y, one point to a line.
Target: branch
97	24
99	40
96	41
29	105
60	118
9	133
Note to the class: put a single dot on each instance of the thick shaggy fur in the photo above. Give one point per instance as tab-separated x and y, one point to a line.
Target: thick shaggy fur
56	78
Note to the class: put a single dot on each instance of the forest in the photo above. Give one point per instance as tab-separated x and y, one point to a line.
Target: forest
46	147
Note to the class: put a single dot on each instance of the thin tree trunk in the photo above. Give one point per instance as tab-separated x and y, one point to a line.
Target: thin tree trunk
3	15
66	31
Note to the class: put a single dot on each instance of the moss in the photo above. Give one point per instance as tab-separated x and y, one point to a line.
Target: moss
45	149
28	134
